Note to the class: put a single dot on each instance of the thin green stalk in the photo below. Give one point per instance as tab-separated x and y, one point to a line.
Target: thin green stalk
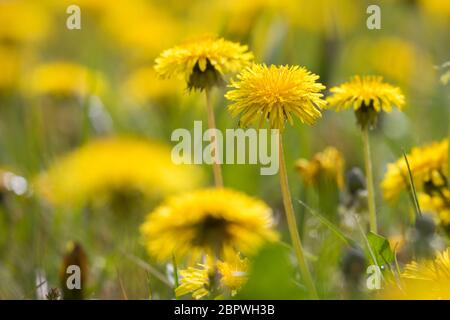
175	274
217	170
292	224
369	182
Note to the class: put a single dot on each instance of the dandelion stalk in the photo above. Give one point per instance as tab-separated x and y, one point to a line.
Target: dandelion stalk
273	94
367	96
217	170
292	224
369	181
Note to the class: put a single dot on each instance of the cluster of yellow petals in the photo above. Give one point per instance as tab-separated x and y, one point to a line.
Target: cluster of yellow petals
276	94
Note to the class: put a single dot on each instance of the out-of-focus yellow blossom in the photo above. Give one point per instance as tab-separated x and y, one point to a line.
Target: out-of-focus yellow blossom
194	280
325	16
10	66
427	280
65	79
203	61
23	21
436	9
429	165
368	96
232	273
438	204
393	57
101	168
143	85
209	221
327	164
276	94
320	16
240	16
142	26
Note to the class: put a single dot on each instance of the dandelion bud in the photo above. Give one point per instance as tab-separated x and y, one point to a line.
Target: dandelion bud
73	273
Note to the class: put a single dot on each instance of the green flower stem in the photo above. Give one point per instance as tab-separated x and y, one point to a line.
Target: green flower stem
292	224
217	170
369	182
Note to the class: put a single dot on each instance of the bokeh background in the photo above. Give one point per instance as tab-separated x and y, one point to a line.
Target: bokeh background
73	102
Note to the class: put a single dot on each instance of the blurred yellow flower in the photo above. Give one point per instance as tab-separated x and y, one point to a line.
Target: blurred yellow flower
439	204
194	280
429	165
325	16
328	164
64	79
203	61
394	57
23	22
367	95
425	280
209	221
101	168
143	85
140	27
436	8
319	16
275	93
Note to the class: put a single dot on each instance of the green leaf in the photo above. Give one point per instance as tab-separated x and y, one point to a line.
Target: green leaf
381	249
271	276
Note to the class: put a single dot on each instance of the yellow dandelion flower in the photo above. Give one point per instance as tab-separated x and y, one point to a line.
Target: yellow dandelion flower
203	61
194	280
143	85
65	79
207	221
425	280
276	94
429	166
328	164
368	96
233	272
104	167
